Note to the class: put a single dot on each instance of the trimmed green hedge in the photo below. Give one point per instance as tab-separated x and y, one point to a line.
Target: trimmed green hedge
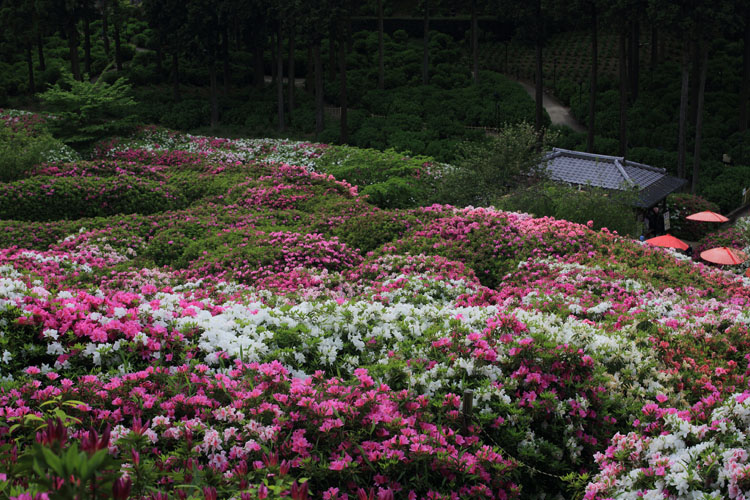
50	198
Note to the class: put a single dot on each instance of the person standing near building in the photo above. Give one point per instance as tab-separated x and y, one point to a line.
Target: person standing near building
656	221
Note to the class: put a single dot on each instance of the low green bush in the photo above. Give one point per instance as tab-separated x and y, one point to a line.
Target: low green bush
167	246
725	188
391	179
565	89
370	231
187	114
194	186
610	209
22	149
51	198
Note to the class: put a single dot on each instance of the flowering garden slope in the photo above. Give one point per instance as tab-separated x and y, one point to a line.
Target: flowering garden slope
240	325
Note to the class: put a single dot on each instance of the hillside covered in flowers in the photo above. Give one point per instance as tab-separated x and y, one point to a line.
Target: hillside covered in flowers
193	317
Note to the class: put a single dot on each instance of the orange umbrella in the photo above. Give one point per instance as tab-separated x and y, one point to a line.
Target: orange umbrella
724	255
707	216
668	241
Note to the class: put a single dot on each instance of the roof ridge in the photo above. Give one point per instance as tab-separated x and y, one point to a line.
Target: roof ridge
623	172
553	154
630	163
584	155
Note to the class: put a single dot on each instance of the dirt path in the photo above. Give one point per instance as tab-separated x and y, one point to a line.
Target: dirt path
558	113
738	214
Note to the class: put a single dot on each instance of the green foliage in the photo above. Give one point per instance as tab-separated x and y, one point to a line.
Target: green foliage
167	247
613	210
50	198
726	187
657	158
576	484
369	231
87	112
187	114
499	163
67	471
19	152
610	209
390	179
194	186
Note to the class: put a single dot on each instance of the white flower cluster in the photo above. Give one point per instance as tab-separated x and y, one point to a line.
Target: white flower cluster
60	153
687	461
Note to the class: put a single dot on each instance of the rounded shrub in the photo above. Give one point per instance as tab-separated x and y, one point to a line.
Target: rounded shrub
52	198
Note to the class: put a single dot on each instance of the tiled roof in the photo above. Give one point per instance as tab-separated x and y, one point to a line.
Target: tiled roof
611	172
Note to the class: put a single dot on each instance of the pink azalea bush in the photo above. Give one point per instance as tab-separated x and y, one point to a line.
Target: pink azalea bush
273	335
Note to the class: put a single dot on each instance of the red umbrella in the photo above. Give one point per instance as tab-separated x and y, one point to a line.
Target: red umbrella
668	241
707	216
724	255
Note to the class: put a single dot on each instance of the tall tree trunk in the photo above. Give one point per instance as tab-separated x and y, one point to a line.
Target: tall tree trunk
160	54
118	51
332	55
474	42
694	81
318	89
634	67
280	76
40	50
623	96
87	45
662	48
344	138
290	72
72	33
426	45
682	128
310	71
381	63
274	59
699	115
214	90
105	29
745	88
258	71
539	72
539	95
654	47
594	70
225	59
175	76
30	65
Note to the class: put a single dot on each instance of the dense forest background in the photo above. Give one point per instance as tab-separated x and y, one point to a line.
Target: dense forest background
660	82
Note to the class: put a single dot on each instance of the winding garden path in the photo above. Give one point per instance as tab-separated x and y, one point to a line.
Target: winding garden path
558	113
